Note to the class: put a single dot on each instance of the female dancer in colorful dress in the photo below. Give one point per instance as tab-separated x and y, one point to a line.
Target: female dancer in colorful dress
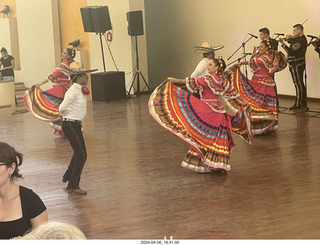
202	123
259	91
44	104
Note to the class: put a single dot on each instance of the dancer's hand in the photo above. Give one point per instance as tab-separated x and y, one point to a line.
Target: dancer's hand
171	79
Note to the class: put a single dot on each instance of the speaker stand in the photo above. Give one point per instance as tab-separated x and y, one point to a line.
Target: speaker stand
137	74
104	64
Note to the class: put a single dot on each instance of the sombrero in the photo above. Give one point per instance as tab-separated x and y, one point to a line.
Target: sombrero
206	48
75	68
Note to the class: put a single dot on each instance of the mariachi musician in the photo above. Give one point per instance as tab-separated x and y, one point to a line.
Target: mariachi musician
316	44
297	63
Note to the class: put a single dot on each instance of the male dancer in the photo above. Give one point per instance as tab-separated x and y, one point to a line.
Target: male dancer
73	109
297	63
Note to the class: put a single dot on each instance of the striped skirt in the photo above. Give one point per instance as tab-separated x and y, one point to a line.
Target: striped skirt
262	100
207	132
44	105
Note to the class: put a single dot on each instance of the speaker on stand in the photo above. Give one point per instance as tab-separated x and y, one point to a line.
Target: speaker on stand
106	86
96	19
135	28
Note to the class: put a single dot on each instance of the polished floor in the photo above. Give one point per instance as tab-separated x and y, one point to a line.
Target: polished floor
137	189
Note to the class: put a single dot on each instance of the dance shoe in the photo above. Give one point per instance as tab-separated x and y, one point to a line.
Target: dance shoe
76	192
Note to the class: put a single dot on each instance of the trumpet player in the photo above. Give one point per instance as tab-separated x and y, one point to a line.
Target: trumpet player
297	63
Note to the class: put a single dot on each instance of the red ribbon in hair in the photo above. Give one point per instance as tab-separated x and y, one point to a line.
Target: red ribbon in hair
85	90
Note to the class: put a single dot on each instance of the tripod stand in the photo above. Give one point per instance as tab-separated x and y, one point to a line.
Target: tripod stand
137	74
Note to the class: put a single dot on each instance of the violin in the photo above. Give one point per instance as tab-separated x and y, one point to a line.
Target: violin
288	37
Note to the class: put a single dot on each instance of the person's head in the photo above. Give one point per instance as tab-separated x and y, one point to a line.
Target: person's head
210	55
54	231
297	30
264	47
216	66
68	54
4	52
264	33
10	160
207	50
81	78
77	73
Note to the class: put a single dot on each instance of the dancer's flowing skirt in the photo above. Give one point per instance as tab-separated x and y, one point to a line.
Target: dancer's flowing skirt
262	100
207	132
44	105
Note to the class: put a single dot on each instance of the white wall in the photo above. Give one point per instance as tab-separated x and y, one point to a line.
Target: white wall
175	26
39	40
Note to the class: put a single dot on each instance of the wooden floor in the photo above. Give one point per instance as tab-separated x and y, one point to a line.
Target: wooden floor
137	189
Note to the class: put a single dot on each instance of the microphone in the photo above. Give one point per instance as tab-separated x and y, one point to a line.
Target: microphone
279	34
312	36
252	35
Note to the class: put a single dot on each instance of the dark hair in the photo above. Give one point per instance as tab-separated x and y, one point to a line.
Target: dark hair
207	54
4	50
299	26
74	77
8	156
220	62
71	53
265	30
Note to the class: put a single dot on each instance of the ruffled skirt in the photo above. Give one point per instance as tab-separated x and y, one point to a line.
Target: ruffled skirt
262	100
207	132
44	105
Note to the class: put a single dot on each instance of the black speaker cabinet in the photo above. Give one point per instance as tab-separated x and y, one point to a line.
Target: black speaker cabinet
86	19
96	19
100	19
107	86
135	23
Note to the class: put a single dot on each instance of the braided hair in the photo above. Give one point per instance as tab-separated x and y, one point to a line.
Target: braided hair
71	53
268	45
220	63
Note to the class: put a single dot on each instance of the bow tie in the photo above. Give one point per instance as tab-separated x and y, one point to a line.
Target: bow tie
85	90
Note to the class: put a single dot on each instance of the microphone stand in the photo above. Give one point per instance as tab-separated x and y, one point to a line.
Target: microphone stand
238	60
243	46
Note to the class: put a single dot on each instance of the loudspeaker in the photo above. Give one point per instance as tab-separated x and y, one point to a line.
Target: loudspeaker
96	19
135	23
107	86
86	19
100	19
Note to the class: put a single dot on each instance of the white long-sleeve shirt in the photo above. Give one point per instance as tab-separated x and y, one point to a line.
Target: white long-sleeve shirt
74	104
201	69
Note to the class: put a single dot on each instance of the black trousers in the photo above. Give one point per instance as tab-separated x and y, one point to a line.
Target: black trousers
297	71
72	131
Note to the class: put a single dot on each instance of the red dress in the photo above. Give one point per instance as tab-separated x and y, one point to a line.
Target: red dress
202	123
44	105
259	92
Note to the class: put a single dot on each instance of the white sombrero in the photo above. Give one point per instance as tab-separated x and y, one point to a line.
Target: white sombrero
206	48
